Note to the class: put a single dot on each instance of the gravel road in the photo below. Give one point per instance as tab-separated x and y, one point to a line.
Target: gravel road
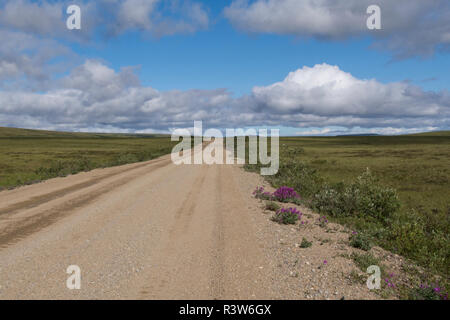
154	230
151	230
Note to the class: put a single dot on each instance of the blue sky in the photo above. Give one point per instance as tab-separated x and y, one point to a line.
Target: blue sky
222	57
208	67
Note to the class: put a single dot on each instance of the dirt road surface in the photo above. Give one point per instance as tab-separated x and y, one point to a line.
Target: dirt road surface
151	230
154	230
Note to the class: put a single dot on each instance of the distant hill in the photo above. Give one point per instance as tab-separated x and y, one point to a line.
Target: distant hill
432	134
359	135
421	134
6	132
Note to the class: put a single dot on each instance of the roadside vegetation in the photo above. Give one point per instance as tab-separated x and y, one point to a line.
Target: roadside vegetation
30	156
392	191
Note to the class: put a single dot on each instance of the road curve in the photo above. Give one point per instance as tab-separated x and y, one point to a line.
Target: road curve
151	230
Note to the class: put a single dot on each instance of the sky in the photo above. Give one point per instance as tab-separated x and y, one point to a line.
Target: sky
307	67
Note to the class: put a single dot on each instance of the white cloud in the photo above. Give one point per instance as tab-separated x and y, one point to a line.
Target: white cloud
32	17
159	18
314	132
26	60
136	13
409	27
94	97
325	90
156	17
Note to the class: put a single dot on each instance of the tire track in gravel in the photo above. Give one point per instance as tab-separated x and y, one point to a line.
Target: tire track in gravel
18	229
175	264
184	213
219	245
41	199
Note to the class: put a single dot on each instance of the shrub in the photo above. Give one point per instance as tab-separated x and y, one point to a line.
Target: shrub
287	216
328	200
298	176
408	235
360	241
374	199
364	197
305	243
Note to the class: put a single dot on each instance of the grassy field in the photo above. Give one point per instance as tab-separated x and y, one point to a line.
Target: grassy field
28	156
409	180
417	166
411	185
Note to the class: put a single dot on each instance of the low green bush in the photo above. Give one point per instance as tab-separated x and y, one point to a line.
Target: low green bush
362	197
305	243
299	176
365	260
360	241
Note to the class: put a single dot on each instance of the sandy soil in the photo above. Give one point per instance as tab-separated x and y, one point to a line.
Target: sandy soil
154	230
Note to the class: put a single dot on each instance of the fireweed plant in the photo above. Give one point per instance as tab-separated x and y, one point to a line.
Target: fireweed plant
282	194
285	194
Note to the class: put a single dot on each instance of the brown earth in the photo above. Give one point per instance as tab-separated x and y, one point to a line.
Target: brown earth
155	230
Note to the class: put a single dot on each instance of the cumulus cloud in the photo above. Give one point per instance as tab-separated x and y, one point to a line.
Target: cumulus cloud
27	61
325	90
48	18
409	27
155	17
158	18
94	97
31	17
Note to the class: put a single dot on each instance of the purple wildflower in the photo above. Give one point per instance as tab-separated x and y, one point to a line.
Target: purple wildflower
285	193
